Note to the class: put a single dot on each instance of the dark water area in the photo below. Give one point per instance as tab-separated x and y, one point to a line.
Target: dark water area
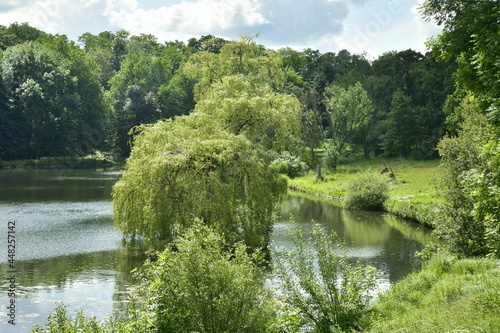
67	248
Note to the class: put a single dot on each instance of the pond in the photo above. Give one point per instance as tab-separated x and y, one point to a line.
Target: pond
67	248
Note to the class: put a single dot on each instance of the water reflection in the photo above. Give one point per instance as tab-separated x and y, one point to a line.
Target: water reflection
43	185
67	248
94	281
378	239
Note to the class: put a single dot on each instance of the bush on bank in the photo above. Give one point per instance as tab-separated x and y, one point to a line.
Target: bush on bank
366	192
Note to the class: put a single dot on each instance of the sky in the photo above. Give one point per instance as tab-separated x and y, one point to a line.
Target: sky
360	26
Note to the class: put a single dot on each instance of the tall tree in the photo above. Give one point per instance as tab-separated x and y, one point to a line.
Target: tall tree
350	112
461	156
108	49
134	94
313	133
213	163
17	34
242	57
185	168
54	98
471	36
403	132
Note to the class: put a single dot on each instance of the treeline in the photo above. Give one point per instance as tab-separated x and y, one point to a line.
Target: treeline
64	98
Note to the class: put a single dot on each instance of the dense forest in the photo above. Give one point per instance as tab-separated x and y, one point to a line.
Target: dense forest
59	97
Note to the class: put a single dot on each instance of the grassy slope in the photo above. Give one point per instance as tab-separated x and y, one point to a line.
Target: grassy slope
413	195
448	295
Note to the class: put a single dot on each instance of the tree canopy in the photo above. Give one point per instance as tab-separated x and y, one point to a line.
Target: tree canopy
127	80
212	164
471	172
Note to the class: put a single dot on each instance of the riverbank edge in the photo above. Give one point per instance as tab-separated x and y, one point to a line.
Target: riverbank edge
67	162
414	212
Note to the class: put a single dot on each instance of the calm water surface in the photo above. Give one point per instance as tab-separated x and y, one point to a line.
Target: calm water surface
67	248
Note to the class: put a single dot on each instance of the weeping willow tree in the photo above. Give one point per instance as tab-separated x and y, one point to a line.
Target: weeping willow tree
211	165
178	172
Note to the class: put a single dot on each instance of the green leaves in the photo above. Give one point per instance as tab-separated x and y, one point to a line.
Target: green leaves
54	98
252	109
367	192
198	286
464	163
330	292
350	111
213	164
470	35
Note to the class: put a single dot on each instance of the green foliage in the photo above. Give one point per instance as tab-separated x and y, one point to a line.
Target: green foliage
60	322
197	285
177	97
471	219
213	163
335	296
238	58
366	192
462	161
447	295
17	34
289	165
473	43
312	125
484	190
331	158
134	94
350	111
242	107
403	133
56	105
426	83
179	170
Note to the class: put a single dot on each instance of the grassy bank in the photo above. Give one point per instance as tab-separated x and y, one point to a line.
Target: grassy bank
73	162
413	194
447	295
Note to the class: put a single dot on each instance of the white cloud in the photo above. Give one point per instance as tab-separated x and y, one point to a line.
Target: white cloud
327	25
57	16
190	18
425	29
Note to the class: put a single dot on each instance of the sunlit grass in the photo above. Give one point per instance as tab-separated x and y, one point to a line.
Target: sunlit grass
448	295
412	195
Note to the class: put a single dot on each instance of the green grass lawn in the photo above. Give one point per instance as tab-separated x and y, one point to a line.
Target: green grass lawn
447	295
413	195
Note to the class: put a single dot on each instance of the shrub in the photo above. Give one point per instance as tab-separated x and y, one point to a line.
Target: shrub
289	165
333	296
197	285
367	192
61	322
465	183
331	158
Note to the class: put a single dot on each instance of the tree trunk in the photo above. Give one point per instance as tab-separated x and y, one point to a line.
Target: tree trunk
365	147
319	176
